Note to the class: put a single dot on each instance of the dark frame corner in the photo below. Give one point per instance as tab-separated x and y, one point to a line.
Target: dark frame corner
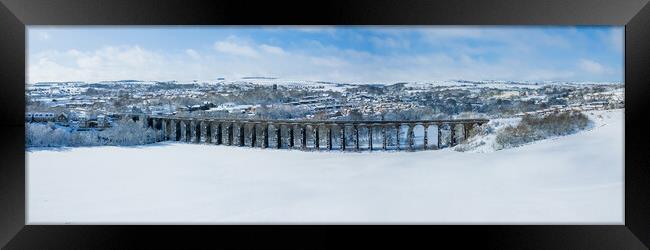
16	14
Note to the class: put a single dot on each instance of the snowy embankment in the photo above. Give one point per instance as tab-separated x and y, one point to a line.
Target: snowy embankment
485	138
571	179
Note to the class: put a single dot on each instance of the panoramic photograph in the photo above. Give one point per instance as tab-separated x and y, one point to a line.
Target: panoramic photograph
324	124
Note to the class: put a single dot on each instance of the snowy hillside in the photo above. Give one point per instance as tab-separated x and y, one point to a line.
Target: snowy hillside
341	86
486	142
447	84
302	84
565	180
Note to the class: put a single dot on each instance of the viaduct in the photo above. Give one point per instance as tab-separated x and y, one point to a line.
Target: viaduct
295	134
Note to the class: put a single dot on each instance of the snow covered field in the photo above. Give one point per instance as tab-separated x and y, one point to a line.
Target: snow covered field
565	180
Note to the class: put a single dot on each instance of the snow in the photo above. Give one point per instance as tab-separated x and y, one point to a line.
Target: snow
485	143
293	83
502	85
575	179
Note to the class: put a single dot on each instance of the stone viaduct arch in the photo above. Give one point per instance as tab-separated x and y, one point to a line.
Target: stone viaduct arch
298	134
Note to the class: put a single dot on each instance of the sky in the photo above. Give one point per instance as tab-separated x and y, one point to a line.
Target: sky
352	54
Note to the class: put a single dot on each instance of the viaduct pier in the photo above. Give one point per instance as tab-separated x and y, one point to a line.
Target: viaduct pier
312	134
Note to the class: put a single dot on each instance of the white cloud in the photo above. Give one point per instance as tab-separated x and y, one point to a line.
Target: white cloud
85	62
441	33
616	39
548	74
232	46
389	42
593	67
329	64
107	63
316	29
332	62
272	49
491	39
506	57
42	36
193	54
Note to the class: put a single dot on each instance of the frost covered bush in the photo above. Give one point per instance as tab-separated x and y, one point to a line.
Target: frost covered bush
49	135
533	128
83	138
127	133
515	136
469	145
45	135
558	123
122	133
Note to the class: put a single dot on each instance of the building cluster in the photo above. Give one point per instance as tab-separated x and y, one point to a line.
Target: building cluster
93	105
77	121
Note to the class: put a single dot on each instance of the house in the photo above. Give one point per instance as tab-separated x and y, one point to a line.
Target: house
40	117
102	121
62	118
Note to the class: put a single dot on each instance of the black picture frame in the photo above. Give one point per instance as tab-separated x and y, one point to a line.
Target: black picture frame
16	14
